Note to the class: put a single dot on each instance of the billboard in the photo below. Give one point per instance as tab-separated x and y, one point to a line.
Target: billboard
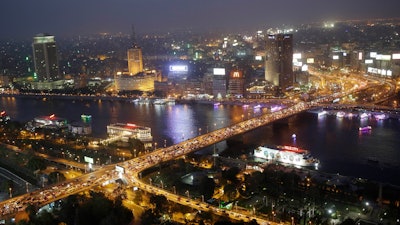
310	60
88	159
369	61
258	57
383	57
219	71
178	68
296	55
396	56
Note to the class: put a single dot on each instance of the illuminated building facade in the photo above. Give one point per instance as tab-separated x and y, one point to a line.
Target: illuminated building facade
279	59
51	122
219	83
236	84
135	60
140	82
45	58
125	131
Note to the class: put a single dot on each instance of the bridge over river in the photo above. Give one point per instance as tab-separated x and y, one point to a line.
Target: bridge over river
131	170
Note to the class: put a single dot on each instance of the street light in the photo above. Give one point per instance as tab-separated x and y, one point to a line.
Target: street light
10	190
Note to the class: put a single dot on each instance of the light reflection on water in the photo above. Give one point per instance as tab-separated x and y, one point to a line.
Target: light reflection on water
335	141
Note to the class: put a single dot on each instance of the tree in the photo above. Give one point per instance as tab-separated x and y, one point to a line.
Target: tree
36	163
207	187
231	174
149	217
55	177
160	202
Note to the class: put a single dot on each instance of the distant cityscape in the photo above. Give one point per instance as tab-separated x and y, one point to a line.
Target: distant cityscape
54	172
185	65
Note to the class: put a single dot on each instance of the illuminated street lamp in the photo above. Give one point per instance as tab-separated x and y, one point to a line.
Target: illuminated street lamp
10	190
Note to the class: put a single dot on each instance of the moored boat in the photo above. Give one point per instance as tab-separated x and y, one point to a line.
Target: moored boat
287	154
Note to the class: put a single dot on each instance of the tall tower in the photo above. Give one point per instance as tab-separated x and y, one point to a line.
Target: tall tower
135	59
45	58
279	60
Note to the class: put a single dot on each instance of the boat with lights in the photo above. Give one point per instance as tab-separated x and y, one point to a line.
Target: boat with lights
365	129
287	154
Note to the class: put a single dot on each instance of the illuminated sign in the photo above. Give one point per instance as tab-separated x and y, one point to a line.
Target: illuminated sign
299	64
304	67
383	57
369	61
335	57
310	60
178	68
379	71
258	57
360	55
297	56
219	71
236	74
88	159
372	54
396	56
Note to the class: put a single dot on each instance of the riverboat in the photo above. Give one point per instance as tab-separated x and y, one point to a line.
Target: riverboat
288	155
365	129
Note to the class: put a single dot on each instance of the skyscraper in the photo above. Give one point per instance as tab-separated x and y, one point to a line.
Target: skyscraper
135	59
45	58
279	60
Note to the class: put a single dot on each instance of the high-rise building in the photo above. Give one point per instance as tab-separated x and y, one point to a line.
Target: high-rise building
135	58
279	60
236	84
45	58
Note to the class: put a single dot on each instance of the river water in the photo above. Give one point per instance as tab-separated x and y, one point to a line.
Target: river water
337	143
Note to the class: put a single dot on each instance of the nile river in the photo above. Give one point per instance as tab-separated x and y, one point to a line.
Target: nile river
338	144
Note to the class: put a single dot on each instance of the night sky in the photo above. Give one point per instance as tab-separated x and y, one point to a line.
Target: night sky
25	18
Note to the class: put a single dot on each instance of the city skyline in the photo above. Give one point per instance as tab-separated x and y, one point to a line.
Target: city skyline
22	19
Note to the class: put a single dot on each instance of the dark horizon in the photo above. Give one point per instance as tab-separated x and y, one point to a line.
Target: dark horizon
22	19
